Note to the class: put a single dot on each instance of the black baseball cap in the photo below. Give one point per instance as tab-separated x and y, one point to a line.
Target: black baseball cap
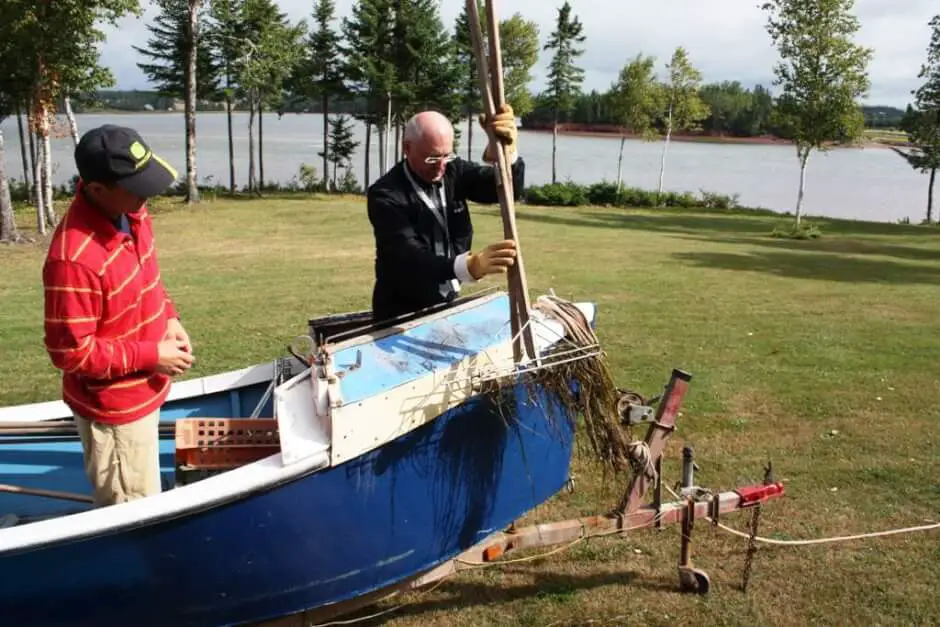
119	155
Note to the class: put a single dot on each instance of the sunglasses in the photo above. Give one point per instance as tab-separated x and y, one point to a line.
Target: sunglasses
442	159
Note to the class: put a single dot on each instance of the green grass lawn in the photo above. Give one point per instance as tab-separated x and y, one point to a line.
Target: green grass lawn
818	355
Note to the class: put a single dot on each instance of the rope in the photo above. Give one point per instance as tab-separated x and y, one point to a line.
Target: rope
641	459
860	536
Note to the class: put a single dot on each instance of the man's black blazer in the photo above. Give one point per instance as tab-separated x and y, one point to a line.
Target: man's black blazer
408	273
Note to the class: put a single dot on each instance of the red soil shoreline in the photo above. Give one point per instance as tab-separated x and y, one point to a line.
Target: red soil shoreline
612	132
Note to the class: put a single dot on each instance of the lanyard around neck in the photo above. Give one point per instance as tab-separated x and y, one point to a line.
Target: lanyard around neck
440	212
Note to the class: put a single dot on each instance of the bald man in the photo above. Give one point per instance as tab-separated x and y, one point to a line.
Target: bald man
419	215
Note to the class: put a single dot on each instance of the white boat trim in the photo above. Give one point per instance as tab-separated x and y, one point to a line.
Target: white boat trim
222	382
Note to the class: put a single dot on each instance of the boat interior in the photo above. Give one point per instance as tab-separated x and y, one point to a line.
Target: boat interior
208	426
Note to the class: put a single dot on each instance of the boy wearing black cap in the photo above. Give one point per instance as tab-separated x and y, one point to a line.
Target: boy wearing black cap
110	325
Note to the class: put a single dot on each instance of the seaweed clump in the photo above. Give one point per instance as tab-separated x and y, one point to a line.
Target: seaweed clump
575	375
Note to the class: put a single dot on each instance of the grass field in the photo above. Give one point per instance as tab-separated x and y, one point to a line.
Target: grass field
819	355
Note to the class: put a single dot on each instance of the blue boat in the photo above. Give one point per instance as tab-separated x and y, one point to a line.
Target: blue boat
378	456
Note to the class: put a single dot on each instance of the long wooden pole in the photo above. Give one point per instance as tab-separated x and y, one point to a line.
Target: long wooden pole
493	96
52	494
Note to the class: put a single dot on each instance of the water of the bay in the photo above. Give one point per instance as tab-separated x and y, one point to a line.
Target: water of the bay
866	184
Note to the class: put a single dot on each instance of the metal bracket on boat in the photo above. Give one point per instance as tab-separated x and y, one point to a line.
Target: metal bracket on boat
633	408
351	367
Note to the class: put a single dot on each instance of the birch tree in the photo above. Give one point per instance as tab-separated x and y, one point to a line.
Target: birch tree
57	54
564	77
8	230
822	73
519	41
922	121
684	108
636	101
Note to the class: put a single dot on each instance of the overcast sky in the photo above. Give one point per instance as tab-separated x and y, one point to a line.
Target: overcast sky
726	39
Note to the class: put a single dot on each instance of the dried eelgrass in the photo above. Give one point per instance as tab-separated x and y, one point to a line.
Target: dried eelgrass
583	385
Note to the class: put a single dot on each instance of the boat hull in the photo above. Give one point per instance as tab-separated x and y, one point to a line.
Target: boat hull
317	540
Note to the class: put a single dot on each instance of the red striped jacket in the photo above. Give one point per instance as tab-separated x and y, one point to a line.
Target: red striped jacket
106	311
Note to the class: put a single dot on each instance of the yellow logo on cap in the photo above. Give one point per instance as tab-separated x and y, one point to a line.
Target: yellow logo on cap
140	154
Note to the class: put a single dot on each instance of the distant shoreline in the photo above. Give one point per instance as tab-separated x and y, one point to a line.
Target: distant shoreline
599	131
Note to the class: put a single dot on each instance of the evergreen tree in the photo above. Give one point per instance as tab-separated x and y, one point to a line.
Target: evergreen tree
427	71
227	39
564	77
320	73
273	52
175	38
343	147
369	67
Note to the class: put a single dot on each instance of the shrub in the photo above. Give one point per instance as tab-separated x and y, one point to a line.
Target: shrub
557	195
711	200
604	194
806	230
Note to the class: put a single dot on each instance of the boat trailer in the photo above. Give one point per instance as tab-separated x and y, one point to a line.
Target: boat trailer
693	503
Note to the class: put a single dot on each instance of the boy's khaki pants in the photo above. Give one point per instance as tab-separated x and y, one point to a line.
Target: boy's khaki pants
122	462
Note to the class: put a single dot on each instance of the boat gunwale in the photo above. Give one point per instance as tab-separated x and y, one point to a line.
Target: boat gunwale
380	330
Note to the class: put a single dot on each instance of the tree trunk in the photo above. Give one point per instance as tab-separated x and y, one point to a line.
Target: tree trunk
662	165
387	163
70	116
803	154
260	146
397	144
381	132
623	140
33	157
470	137
46	169
192	185
933	178
251	141
368	155
326	140
26	160
8	232
554	152
39	195
231	145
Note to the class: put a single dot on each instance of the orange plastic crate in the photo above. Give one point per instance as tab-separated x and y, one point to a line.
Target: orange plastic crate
224	443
